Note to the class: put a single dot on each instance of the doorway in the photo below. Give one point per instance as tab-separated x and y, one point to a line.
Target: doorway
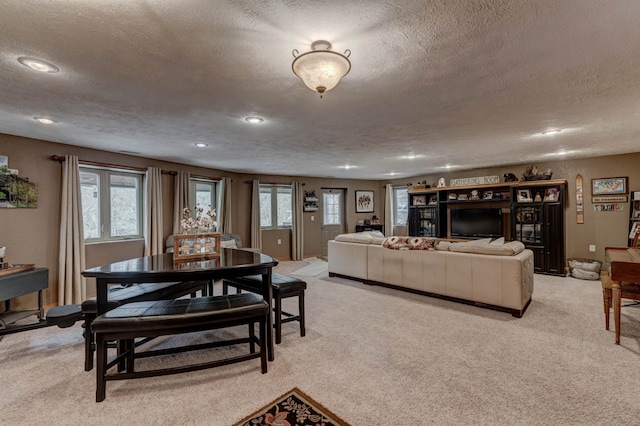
333	216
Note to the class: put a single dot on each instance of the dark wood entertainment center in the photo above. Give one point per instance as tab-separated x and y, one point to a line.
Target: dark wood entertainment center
532	212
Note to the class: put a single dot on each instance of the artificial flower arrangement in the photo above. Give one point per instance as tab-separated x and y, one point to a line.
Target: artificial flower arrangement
200	223
198	239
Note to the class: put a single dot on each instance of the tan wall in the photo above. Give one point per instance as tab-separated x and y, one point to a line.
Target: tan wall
31	235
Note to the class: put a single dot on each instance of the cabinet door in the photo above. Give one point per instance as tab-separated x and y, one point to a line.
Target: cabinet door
554	239
538	258
527	224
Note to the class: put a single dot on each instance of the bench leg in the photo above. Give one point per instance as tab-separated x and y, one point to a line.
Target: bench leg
252	338
130	347
278	317
301	313
263	343
89	342
101	368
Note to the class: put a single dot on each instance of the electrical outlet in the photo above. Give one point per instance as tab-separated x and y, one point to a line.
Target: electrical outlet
592	247
279	241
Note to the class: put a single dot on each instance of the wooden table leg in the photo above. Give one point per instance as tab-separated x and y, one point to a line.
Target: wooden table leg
617	301
267	294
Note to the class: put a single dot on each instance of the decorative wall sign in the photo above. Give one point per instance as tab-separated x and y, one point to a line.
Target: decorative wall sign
608	207
482	180
364	201
610	199
579	200
610	186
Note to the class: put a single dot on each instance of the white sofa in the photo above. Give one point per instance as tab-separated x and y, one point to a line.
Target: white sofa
496	281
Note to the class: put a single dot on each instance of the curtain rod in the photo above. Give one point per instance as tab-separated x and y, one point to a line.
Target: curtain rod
273	183
205	177
60	159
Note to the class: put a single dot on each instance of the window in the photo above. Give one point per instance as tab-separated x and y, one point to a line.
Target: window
400	206
111	204
275	206
203	193
331	212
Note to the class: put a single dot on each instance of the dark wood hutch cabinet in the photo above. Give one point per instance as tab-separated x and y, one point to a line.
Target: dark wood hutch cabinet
537	214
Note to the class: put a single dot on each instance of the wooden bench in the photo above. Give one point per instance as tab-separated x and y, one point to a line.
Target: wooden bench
119	295
166	317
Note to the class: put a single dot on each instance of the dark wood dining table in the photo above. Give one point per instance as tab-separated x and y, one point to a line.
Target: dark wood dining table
624	265
162	268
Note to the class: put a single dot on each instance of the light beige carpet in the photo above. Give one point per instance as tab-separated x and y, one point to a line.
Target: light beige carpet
373	356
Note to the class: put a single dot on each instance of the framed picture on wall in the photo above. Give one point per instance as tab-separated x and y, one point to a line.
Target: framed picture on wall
610	186
364	201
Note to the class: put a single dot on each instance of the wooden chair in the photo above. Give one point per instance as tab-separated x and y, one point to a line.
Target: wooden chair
628	291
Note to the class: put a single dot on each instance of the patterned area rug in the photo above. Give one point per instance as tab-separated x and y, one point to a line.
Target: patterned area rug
294	408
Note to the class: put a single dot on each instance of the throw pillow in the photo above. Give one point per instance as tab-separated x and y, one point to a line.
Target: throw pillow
497	242
228	244
508	249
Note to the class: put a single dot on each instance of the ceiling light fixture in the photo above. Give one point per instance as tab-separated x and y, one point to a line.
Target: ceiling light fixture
551	131
38	65
254	120
320	68
44	120
201	145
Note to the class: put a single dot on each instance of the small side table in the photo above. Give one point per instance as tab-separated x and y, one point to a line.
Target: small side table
19	284
376	227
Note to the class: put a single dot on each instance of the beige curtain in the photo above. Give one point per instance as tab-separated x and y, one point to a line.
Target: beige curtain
224	206
297	233
180	198
256	231
154	239
71	261
388	210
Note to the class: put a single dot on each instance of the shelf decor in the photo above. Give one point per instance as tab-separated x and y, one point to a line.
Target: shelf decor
610	186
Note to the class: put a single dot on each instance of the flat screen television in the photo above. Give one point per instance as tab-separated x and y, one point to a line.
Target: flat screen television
476	223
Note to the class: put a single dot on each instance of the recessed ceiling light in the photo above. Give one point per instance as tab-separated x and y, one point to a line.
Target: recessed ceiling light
347	167
551	131
44	120
254	120
201	145
38	65
410	157
392	174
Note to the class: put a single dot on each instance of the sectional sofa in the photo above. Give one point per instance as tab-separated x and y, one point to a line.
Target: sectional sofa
486	273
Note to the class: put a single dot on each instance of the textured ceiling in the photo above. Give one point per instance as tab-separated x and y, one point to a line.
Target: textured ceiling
466	84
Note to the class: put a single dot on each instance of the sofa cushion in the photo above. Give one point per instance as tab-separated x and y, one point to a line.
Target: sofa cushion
368	237
508	249
443	245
